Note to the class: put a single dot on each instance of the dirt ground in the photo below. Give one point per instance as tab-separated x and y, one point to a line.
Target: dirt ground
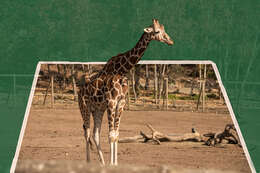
57	134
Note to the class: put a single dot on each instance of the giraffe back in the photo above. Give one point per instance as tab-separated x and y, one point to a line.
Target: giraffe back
100	88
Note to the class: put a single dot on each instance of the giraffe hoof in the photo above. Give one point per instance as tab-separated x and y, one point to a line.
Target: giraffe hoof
102	164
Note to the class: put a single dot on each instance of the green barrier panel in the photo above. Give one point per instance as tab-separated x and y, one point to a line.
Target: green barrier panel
225	32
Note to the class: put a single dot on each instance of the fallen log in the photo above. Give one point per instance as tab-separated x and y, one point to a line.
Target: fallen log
229	135
137	138
159	137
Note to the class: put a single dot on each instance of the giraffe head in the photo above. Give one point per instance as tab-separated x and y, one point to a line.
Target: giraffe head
158	33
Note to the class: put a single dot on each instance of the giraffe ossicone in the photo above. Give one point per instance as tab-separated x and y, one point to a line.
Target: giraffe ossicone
107	89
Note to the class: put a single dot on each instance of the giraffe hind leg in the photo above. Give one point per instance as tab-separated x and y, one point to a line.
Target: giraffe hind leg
88	141
86	126
87	136
98	116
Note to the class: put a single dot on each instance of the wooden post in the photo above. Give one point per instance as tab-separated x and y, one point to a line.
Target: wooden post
52	90
59	74
137	74
74	88
155	83
133	83
203	96
129	98
89	69
193	83
83	68
46	92
146	77
203	88
166	92
160	81
198	102
47	89
219	91
74	83
200	75
64	76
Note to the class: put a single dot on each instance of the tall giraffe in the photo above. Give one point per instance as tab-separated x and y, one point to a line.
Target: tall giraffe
107	90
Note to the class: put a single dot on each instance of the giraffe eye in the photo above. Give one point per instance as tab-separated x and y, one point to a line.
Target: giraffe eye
157	32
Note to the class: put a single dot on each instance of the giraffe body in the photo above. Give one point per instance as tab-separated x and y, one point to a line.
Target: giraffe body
106	91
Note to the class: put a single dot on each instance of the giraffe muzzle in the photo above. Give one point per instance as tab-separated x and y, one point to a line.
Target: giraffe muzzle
170	42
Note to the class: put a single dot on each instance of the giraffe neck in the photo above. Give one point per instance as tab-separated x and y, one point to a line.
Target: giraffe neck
140	47
123	63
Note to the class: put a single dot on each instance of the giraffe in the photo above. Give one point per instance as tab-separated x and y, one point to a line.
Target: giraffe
107	89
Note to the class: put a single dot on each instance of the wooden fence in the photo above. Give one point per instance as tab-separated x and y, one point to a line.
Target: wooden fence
158	99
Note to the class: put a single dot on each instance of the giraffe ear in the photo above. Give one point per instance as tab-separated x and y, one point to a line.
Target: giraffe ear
148	30
155	21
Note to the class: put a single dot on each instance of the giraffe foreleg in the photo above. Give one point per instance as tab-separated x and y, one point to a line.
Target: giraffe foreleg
113	135
119	110
114	111
111	112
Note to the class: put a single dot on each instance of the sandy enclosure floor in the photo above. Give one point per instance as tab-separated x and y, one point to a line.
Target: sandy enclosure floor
57	134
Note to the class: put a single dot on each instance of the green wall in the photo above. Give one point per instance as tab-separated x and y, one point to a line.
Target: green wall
226	32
